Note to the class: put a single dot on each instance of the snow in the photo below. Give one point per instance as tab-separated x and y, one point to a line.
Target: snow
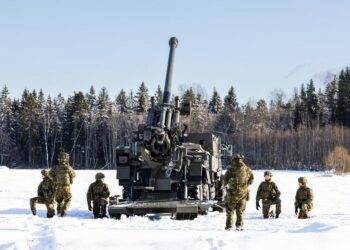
327	229
3	168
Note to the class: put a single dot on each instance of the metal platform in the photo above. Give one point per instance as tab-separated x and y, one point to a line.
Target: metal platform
184	209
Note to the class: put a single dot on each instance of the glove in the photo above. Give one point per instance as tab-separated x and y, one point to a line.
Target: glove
89	207
296	210
257	205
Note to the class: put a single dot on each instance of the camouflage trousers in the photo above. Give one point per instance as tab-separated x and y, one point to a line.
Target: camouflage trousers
304	209
99	208
63	197
39	200
234	205
266	204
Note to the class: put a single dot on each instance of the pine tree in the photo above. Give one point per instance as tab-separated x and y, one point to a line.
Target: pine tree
312	103
132	104
5	125
190	96
343	98
330	100
215	104
76	114
103	104
230	101
158	95
122	101
91	98
323	116
261	110
142	98
29	122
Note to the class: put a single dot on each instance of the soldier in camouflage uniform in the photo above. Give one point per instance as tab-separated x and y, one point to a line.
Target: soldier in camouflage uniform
46	190
269	194
62	175
237	179
303	199
98	193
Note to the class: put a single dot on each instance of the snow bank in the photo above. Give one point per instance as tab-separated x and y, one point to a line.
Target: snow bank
4	168
328	227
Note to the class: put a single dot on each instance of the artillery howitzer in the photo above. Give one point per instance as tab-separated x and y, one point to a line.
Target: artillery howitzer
165	170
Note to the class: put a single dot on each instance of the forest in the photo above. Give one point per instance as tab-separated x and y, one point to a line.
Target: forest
296	132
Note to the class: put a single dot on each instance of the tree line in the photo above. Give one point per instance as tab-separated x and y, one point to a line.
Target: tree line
290	133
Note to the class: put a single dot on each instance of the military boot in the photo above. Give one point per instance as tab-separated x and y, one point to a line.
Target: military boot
49	215
239	228
33	212
63	213
277	215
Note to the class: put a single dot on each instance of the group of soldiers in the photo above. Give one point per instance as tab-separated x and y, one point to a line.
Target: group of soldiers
55	188
240	176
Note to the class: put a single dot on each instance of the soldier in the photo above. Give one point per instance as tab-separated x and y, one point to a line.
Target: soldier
303	199
62	175
98	193
46	190
237	178
269	194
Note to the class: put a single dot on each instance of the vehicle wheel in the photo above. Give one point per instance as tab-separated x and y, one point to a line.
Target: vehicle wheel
206	192
116	216
198	195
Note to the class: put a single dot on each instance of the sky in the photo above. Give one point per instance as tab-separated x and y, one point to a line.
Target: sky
255	46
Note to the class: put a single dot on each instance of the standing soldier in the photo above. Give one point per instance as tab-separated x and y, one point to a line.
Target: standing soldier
62	175
237	178
46	190
269	194
98	193
303	199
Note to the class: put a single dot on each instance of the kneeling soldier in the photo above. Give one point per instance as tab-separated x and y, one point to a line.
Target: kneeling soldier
98	193
46	190
303	199
269	194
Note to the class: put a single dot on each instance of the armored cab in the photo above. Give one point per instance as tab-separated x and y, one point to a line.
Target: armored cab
166	169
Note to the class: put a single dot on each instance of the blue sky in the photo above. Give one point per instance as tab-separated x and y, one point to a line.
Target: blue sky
256	46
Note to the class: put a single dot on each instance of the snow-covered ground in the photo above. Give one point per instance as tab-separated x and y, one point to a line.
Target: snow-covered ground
328	227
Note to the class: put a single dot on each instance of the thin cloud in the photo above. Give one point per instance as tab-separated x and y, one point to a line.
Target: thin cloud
294	70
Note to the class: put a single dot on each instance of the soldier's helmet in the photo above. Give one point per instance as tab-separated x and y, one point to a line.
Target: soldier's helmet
45	172
269	173
63	157
302	180
99	176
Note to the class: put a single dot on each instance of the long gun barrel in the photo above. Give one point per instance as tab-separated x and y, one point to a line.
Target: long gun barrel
168	80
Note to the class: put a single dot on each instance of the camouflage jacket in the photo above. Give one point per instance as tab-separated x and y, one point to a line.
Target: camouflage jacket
267	190
62	174
238	178
97	190
304	194
46	189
